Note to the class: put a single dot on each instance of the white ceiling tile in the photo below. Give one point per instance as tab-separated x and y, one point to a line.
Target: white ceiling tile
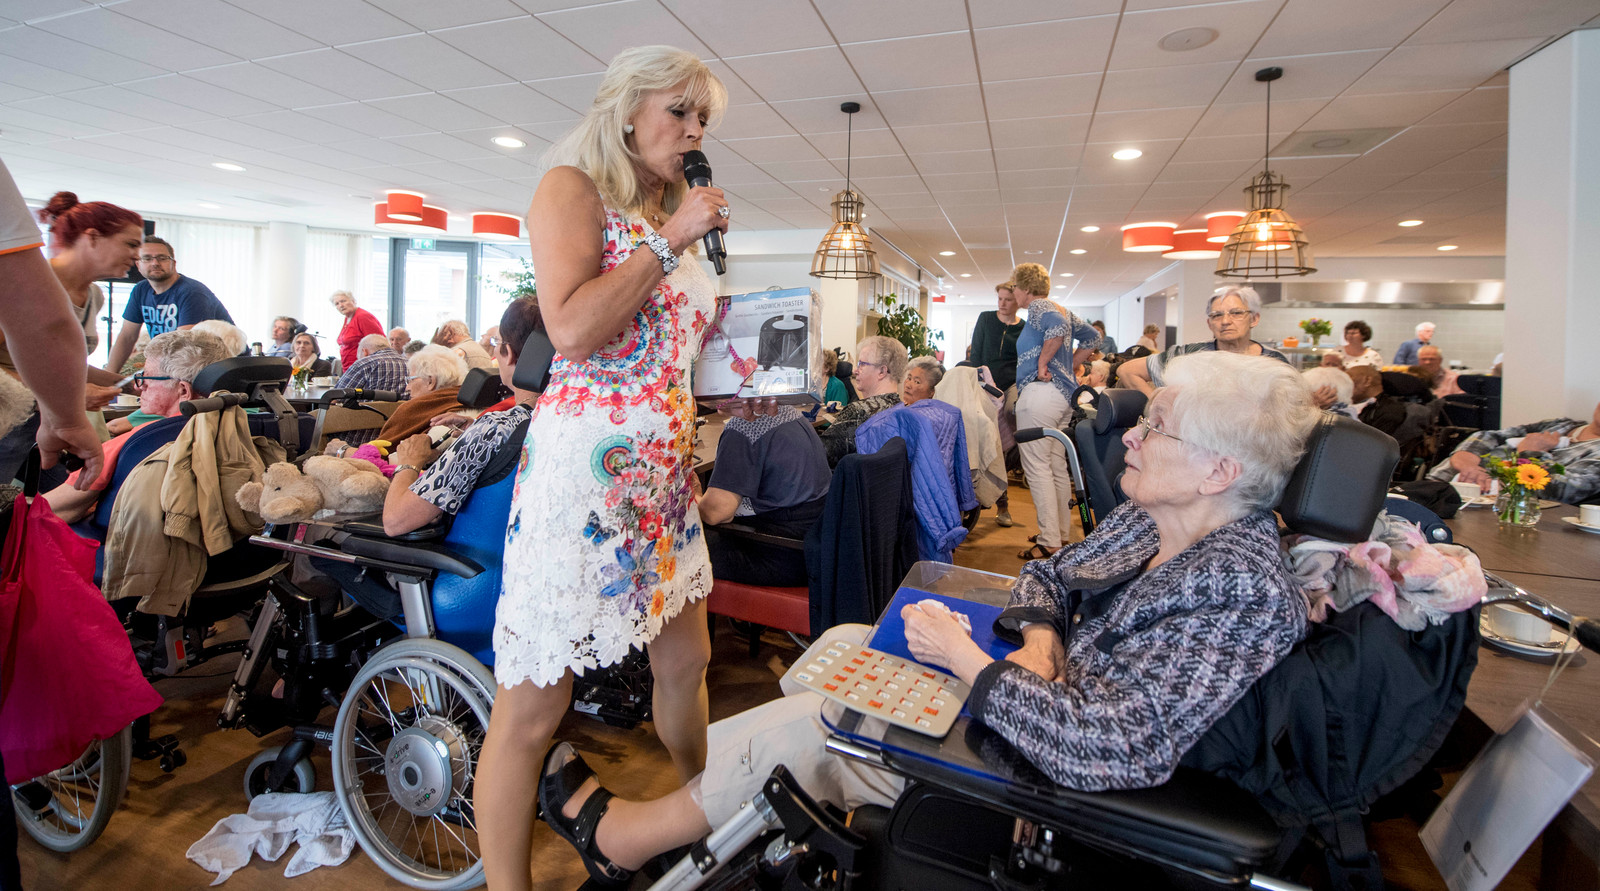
243	134
861	142
428	62
1017	179
1316	26
798	74
188	91
794	171
1465	20
1441	138
265	84
132	37
772	148
1061	132
1041	97
882	165
1036	158
22	74
346	75
576	92
1206	171
331	22
1229	119
1221	148
302	127
71	57
754	120
219	26
1132	126
436	111
101	119
382	152
734	27
1304	77
1485	104
1238	25
852	20
905	108
974	197
944	137
905	202
367	120
1072	46
513	104
890	185
952	162
443	146
1379	110
524	48
822	114
1163	87
913	62
739	92
621	25
1442	66
427	15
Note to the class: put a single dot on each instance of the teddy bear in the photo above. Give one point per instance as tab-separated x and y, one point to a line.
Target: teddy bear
339	485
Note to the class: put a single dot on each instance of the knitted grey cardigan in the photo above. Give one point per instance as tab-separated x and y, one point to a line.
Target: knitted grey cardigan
1150	666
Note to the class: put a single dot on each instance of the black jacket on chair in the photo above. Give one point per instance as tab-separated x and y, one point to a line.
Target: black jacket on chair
865	542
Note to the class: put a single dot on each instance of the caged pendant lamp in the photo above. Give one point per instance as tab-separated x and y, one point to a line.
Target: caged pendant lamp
846	251
1267	243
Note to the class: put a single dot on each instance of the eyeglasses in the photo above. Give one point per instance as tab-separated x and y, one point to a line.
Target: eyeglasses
140	379
863	363
1144	424
158	258
1233	314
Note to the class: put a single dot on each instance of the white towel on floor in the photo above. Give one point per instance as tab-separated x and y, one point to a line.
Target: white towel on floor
275	820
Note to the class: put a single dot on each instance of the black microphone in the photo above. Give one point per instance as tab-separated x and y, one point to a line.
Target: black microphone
697	171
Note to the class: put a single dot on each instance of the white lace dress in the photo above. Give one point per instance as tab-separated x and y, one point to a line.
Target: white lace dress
604	543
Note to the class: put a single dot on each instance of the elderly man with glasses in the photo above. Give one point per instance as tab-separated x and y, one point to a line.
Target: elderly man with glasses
880	364
378	366
1231	313
171	363
164	301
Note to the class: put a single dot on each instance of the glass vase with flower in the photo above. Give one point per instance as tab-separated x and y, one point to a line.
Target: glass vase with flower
1521	480
1316	329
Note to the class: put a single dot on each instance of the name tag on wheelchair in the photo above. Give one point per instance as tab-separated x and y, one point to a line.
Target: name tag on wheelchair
1506	797
882	685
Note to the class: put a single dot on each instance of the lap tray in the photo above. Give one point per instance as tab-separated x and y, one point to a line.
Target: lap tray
882	685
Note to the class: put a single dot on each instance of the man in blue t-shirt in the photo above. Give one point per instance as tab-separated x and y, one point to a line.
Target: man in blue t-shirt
164	301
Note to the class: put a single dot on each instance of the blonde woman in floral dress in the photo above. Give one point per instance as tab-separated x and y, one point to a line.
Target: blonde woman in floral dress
604	550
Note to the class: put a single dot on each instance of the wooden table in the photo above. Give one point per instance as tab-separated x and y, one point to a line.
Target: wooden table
1562	565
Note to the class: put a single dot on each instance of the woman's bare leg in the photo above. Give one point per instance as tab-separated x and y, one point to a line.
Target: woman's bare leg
678	659
506	787
632	832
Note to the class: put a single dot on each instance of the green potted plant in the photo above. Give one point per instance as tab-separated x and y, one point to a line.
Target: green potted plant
1316	329
902	322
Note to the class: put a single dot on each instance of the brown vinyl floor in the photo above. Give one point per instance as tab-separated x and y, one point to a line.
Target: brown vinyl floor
164	814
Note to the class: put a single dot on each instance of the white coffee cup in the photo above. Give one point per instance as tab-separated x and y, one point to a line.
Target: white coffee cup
1467	491
1513	623
127	399
1589	514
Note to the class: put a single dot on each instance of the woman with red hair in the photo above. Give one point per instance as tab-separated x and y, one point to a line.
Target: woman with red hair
89	242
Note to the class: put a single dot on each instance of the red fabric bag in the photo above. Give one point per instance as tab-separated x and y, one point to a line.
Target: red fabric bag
67	673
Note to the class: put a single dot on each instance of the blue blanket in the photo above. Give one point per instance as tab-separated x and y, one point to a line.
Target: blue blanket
939	527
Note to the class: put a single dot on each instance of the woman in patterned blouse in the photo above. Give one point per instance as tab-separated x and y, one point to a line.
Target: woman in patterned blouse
1135	640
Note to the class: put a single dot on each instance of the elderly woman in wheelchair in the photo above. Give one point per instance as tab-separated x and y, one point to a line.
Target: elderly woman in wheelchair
1177	604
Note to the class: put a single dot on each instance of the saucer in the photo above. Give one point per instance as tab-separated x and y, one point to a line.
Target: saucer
1560	642
1488	501
1577	523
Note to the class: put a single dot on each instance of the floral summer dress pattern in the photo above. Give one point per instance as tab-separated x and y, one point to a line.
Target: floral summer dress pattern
604	543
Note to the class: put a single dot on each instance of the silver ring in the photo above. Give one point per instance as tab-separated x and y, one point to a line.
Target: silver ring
723	211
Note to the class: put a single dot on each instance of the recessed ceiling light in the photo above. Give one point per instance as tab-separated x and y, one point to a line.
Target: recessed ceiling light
226	165
1066	275
1077	251
508	142
208	205
966	275
1187	39
947	253
1061	287
1448	247
1409	223
1033	252
1090	229
1127	154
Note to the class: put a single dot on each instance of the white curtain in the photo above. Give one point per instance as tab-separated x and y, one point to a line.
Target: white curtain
338	261
226	257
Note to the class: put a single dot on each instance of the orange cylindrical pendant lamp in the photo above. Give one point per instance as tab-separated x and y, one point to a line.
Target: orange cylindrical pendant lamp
1148	237
405	206
430	219
496	226
1221	224
1191	244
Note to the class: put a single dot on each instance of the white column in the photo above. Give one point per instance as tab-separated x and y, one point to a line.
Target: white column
1197	280
1552	227
286	270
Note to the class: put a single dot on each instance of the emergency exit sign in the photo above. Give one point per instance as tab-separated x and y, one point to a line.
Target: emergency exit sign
422	244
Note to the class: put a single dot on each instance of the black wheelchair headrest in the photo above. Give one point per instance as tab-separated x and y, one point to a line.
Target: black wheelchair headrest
1117	410
481	389
242	373
533	363
1406	385
1339	486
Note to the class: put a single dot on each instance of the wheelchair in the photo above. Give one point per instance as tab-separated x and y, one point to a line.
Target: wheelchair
975	815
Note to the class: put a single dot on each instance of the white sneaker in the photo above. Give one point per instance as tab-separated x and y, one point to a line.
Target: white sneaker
1004	519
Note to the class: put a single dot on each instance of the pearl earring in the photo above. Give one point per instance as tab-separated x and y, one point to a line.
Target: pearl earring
627	128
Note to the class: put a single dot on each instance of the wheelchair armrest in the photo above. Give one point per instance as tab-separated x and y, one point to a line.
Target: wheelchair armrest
408	553
374	529
797	544
1194	822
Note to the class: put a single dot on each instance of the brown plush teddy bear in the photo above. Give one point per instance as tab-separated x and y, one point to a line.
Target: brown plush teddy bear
339	485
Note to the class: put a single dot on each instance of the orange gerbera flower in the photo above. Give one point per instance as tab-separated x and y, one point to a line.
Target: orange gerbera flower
1532	476
657	602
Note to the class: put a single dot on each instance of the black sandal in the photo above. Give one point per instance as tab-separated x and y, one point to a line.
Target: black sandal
555	790
1037	552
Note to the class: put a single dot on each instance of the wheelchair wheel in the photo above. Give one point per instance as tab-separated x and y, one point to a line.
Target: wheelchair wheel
67	809
405	745
302	779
